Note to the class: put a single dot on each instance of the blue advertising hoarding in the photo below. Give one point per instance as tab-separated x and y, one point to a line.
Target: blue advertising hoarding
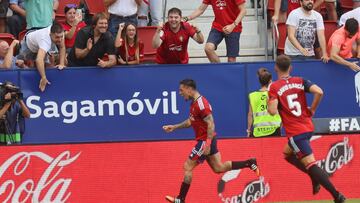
128	104
133	103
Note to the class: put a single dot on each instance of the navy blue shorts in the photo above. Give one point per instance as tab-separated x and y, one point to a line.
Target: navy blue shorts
284	5
301	144
232	41
198	150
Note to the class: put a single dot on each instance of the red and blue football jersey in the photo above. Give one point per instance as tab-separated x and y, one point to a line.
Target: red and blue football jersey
292	106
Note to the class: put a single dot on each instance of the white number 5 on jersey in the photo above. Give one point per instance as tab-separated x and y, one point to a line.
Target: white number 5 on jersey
293	104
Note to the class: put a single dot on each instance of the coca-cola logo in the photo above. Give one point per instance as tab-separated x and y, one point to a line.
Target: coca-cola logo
340	154
252	192
31	191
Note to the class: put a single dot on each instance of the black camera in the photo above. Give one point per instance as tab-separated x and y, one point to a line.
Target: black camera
14	91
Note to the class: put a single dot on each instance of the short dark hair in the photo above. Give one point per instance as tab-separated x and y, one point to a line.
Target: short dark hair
97	17
264	76
283	62
352	26
56	28
175	10
189	83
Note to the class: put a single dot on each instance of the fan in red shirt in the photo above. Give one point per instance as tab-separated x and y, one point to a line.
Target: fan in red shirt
72	25
130	48
287	96
171	39
227	25
202	121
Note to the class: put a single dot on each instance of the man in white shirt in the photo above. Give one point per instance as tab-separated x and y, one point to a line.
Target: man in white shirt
355	13
38	45
122	11
303	26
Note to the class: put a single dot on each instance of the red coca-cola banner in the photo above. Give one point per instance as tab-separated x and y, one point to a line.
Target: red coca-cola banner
147	171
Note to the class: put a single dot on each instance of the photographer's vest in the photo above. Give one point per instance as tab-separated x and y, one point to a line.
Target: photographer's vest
263	123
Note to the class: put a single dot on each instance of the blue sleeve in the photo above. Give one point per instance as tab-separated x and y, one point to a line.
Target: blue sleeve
307	84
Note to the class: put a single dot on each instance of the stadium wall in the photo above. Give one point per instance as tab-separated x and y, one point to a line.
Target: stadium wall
137	172
131	104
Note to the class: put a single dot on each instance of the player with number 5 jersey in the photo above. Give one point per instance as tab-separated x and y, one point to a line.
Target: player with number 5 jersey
290	92
287	96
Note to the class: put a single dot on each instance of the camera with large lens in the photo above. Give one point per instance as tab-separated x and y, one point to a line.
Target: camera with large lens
14	91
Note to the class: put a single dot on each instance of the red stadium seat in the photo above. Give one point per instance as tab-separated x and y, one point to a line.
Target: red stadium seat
346	5
270	8
22	35
95	6
146	34
330	27
282	33
7	37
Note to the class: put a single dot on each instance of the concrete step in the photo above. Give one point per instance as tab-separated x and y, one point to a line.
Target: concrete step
246	41
193	60
199	53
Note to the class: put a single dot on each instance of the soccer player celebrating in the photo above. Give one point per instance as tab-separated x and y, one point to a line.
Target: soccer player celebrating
202	121
287	95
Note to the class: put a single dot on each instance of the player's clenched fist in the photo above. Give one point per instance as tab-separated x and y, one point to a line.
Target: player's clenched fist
168	128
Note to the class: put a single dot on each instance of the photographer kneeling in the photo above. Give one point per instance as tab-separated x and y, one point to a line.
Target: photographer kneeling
13	112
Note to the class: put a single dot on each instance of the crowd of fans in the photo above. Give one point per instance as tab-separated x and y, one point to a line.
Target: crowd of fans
110	38
306	30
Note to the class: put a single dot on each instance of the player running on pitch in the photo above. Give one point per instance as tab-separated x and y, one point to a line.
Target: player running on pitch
287	95
202	121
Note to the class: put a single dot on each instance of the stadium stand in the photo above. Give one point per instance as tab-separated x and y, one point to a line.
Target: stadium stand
145	35
330	27
7	37
346	5
95	6
280	37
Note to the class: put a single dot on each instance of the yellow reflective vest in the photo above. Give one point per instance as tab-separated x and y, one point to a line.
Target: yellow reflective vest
263	123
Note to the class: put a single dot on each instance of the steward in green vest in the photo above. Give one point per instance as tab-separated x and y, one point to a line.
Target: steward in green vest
260	122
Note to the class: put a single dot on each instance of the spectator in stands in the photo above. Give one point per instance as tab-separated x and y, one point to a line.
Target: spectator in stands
227	24
7	59
122	11
282	8
171	39
262	122
130	48
40	45
73	23
17	22
92	43
40	14
303	26
155	7
4	5
355	13
340	45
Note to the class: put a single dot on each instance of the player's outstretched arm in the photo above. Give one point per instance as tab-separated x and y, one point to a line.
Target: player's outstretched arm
318	94
169	128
